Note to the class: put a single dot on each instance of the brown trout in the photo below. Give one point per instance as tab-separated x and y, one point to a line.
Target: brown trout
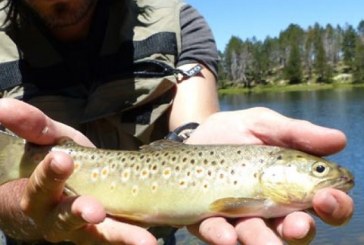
168	183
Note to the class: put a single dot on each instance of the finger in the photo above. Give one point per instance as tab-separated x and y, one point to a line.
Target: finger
296	228
112	231
255	231
333	206
33	125
46	184
215	231
299	134
71	215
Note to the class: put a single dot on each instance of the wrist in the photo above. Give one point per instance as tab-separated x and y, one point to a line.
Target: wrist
183	132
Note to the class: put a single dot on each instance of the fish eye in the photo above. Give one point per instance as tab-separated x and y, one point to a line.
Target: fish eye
320	169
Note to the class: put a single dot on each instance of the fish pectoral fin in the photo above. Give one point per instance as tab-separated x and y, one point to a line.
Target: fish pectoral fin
131	218
69	191
237	206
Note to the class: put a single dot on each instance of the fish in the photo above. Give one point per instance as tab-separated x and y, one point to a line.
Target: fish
177	184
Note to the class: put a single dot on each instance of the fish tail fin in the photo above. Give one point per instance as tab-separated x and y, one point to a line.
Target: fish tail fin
11	152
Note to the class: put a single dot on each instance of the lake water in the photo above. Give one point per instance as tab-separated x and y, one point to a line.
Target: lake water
340	108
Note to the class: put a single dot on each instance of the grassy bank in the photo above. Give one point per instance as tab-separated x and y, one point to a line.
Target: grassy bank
289	88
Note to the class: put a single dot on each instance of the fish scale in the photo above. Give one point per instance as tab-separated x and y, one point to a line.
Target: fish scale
170	183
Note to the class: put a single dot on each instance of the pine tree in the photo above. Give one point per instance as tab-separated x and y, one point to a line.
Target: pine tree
348	45
293	70
358	64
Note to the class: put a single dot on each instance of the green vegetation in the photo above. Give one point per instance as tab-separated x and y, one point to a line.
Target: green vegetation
319	57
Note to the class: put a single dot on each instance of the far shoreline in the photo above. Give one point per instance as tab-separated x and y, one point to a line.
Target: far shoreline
290	88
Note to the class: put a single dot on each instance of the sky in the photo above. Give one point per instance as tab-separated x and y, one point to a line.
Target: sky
262	18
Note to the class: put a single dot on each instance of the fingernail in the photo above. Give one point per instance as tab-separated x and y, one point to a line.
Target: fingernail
329	204
56	167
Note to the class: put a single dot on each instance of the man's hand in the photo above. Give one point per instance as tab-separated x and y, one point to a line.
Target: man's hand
263	126
41	203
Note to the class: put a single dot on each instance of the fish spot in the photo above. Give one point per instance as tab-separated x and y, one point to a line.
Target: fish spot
192	161
177	168
154	168
77	166
235	182
174	158
167	173
105	172
113	166
95	175
212	153
144	173
222	161
113	186
199	172
209	173
205	161
238	152
205	186
279	157
200	154
134	190
184	159
243	165
154	187
125	175
183	183
232	172
92	157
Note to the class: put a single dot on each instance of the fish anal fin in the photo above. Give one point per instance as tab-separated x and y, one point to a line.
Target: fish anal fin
237	207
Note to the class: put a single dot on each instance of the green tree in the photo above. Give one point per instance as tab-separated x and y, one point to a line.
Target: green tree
358	64
293	70
292	39
322	68
348	45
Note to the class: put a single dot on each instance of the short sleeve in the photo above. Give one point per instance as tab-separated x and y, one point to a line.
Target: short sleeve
198	43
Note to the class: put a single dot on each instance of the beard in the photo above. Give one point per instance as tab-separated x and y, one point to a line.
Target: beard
64	13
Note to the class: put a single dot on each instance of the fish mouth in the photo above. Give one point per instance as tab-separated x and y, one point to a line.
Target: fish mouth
344	182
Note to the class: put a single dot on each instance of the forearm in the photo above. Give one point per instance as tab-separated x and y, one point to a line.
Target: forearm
195	100
13	221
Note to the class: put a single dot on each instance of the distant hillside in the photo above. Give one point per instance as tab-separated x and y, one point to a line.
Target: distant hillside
316	55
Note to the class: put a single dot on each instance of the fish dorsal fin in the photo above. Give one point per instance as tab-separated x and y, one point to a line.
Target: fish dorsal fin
233	206
160	145
66	141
